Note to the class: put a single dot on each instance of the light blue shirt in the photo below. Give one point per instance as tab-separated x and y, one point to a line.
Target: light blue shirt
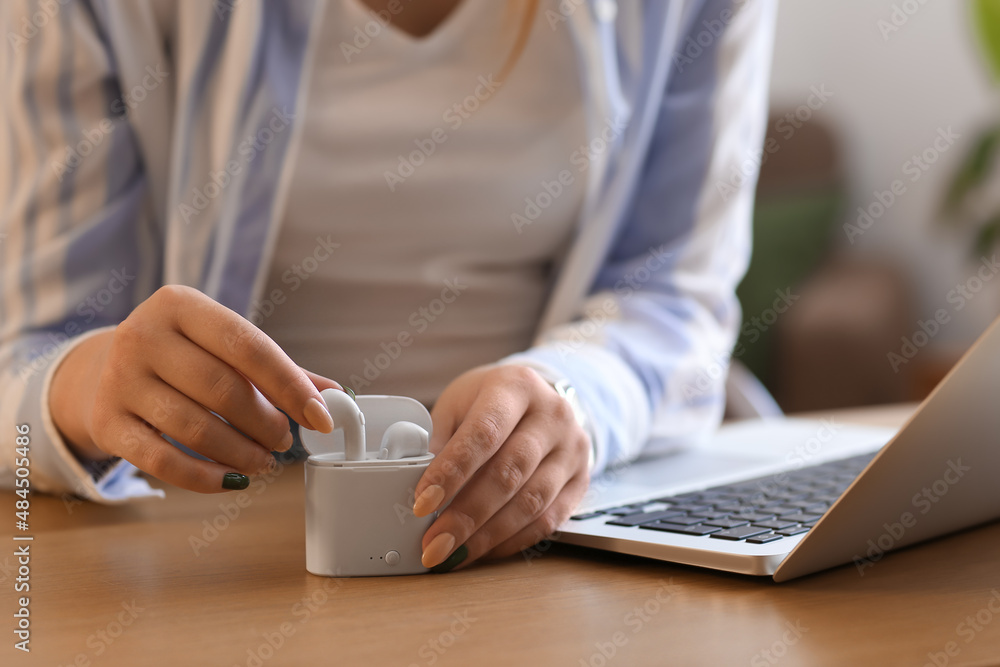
151	142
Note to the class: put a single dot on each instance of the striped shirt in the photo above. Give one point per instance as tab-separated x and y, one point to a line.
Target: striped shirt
150	142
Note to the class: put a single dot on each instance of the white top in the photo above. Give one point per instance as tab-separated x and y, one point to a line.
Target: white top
400	263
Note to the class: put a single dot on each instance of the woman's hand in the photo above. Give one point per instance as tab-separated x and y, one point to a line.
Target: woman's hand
511	458
178	358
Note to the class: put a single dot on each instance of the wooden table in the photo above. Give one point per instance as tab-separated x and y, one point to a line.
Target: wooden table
134	586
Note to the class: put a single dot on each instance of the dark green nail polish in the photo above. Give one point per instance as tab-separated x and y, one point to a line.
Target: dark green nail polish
235	481
451	561
350	392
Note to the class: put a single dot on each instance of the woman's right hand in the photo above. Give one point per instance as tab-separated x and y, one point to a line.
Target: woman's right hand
176	360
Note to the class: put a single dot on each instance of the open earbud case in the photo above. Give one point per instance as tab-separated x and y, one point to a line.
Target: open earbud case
359	497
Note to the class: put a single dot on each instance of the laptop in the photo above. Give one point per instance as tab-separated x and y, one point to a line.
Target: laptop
788	497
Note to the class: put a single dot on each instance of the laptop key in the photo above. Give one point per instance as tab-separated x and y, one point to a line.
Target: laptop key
681	498
686	520
788	496
815	508
733	497
691	508
764	539
754	517
711	514
622	511
801	518
775	524
655	507
711	495
727	523
645	517
585	516
728	508
696	530
808	502
783	510
796	530
767	503
740	533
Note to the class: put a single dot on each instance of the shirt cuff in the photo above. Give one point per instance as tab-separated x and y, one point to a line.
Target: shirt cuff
112	482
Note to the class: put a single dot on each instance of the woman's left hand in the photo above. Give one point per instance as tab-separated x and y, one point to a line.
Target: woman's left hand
512	459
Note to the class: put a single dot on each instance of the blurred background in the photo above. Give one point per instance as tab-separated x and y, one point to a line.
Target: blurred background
879	200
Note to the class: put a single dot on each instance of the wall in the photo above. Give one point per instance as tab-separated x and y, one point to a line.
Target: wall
892	91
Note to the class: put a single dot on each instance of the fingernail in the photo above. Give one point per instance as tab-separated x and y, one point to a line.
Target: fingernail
286	443
318	416
428	501
438	550
350	392
235	481
460	554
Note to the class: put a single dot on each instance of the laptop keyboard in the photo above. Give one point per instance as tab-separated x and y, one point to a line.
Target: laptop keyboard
757	511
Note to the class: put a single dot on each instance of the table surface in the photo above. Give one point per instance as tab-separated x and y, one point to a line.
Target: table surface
133	585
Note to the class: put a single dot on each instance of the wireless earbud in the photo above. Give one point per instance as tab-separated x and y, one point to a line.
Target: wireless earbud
347	416
403	440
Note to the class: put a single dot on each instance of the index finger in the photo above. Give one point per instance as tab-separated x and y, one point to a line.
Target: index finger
487	425
236	341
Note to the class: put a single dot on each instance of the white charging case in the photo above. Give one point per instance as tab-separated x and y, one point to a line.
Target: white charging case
359	514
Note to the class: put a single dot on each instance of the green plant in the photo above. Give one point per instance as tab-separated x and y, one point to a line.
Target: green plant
978	167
